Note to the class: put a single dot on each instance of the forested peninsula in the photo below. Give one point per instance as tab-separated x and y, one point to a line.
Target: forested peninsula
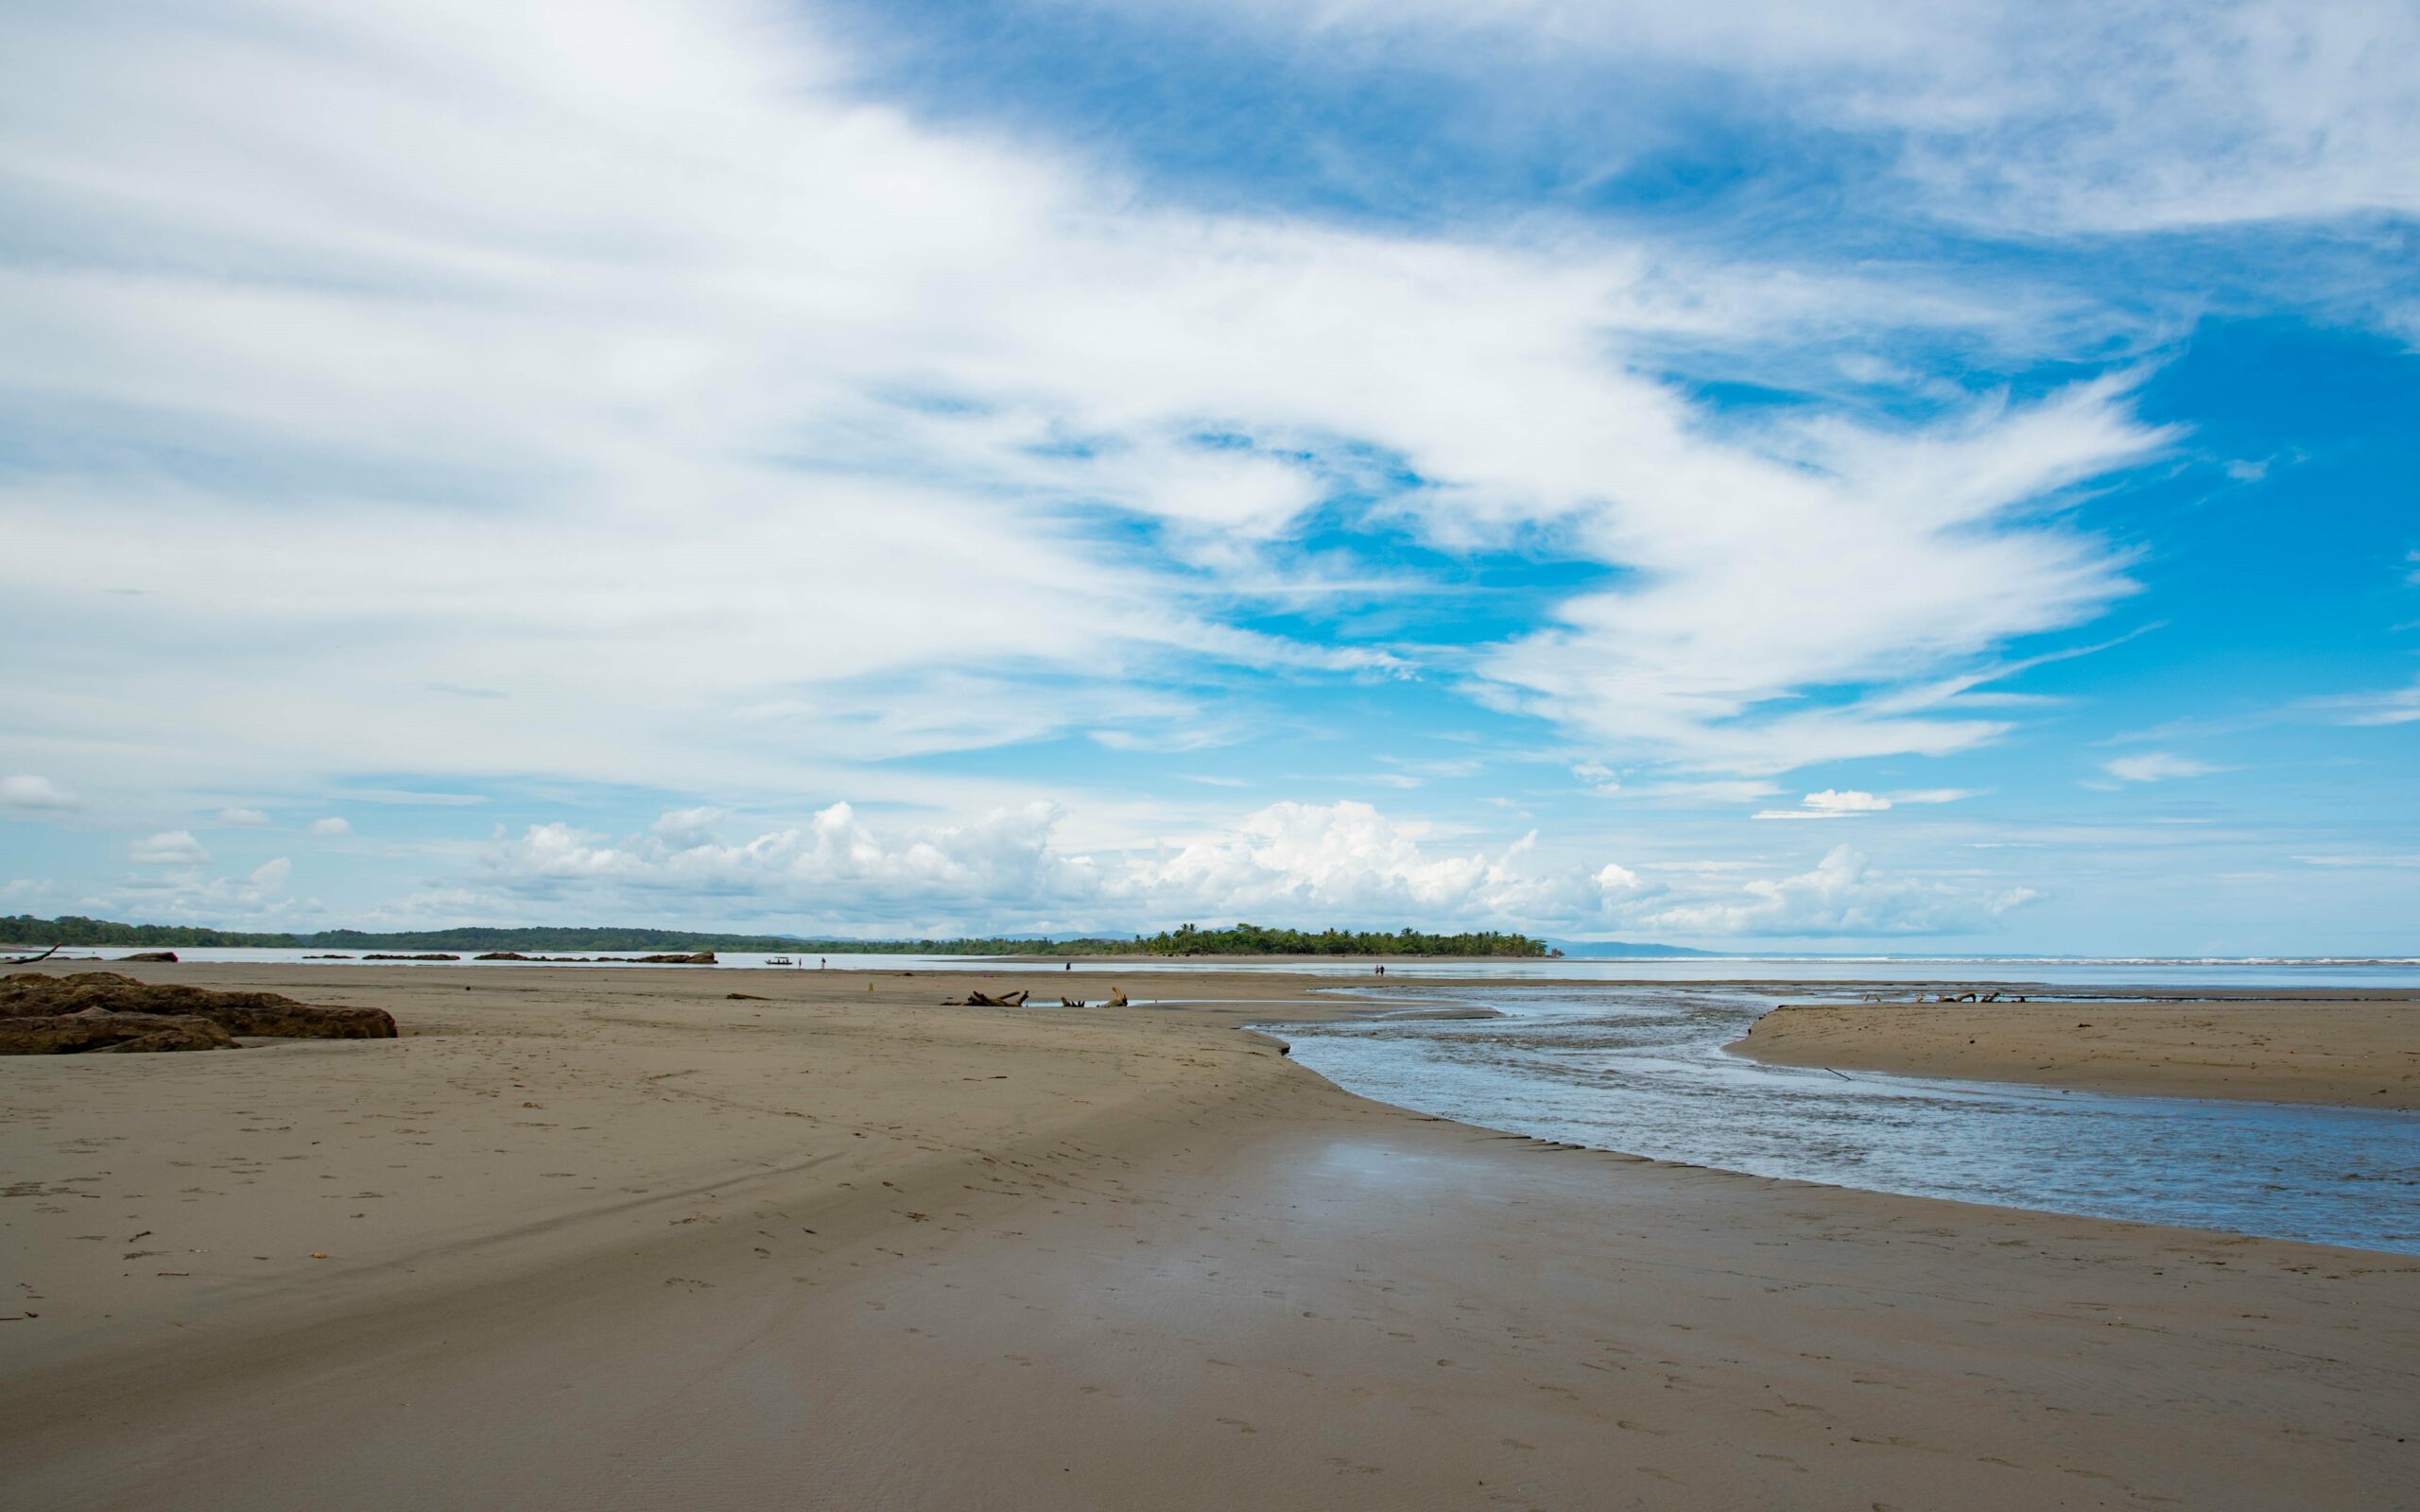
1240	939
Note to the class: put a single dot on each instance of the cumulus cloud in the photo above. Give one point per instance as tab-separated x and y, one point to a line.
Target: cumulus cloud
1830	804
37	795
254	897
1843	896
2157	766
1342	863
331	828
169	848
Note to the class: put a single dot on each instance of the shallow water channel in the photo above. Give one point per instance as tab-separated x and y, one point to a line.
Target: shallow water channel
1642	1069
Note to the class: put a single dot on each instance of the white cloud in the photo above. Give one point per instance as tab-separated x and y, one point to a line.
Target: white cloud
837	431
35	794
1830	804
1936	794
1719	792
1341	863
330	828
242	819
2157	766
1846	802
255	898
1843	896
2043	114
169	848
2395	706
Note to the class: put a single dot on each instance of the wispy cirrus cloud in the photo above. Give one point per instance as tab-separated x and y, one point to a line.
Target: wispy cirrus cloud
2060	115
1015	441
2157	766
1845	894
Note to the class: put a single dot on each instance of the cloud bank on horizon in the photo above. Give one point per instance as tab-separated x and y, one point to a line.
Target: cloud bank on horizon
1073	466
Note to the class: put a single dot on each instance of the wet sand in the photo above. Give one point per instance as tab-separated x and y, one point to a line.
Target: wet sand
2350	1052
610	1239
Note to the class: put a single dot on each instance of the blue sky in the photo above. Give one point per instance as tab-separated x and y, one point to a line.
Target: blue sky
1842	477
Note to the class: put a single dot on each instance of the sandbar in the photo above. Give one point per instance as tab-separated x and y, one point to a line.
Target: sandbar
595	1238
2350	1051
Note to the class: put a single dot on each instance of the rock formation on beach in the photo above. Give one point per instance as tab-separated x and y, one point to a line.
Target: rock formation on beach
41	1014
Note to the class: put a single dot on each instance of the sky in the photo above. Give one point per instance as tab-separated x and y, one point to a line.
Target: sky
1856	476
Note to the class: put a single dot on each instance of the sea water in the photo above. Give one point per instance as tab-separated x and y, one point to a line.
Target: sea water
1643	1069
1637	1064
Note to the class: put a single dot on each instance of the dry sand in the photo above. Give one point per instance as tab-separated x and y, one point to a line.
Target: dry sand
608	1239
2358	1053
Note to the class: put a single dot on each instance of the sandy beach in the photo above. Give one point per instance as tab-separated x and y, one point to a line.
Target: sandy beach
601	1238
2352	1051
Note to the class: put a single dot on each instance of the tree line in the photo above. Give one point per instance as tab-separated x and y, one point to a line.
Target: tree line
1240	939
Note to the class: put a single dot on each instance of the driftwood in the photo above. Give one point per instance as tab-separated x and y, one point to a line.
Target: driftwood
1117	998
1073	1003
29	960
975	999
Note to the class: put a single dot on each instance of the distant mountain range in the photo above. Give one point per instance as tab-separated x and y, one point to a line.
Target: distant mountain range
1581	949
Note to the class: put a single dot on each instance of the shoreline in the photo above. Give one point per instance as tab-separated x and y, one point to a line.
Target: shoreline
2342	1051
622	1238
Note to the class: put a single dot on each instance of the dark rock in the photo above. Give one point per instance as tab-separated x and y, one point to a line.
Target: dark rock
34	995
501	956
433	956
98	1029
167	957
701	958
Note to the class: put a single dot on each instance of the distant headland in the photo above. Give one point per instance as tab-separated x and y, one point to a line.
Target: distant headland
1238	939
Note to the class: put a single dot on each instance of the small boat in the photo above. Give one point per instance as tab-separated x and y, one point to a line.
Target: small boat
780	960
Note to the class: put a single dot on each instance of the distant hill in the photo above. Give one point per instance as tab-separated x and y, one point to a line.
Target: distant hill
1623	950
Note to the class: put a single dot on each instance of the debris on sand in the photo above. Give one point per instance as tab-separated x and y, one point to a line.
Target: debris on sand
974	999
